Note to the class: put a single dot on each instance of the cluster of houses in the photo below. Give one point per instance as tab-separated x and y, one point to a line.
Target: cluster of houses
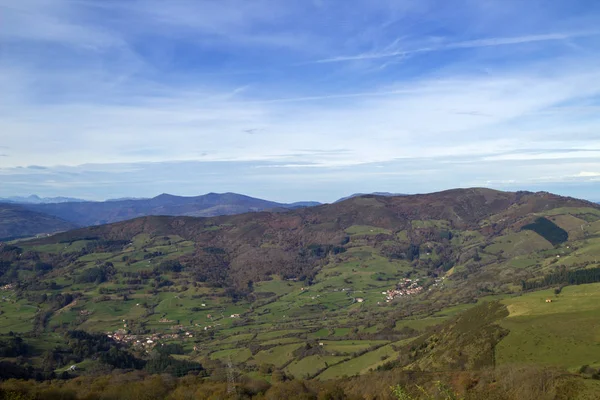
406	287
146	341
121	336
10	286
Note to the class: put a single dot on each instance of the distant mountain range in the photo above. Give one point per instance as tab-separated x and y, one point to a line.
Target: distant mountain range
35	199
31	218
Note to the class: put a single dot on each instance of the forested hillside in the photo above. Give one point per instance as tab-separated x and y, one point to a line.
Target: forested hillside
448	291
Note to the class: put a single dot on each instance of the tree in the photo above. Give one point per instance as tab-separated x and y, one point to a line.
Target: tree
331	392
558	290
277	376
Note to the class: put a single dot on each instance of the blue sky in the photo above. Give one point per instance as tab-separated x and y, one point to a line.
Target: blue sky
296	100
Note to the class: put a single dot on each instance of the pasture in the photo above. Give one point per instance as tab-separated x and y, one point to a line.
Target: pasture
563	332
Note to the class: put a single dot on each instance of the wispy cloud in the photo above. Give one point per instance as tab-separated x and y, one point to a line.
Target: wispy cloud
468	44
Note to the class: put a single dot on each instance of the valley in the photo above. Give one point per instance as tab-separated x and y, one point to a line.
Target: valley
464	280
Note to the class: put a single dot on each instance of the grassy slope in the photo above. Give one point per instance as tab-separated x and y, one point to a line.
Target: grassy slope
564	332
360	364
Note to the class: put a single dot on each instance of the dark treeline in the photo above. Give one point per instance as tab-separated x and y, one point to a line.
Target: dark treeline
505	383
565	277
14	346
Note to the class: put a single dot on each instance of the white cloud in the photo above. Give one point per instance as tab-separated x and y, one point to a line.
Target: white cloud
471	116
588	174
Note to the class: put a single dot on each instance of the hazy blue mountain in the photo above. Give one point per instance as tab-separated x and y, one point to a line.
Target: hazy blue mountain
208	205
35	199
128	198
17	221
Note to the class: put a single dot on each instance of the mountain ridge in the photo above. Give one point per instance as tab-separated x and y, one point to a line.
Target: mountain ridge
251	239
210	204
17	221
425	206
72	214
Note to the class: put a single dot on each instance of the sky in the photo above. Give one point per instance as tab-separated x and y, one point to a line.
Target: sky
294	100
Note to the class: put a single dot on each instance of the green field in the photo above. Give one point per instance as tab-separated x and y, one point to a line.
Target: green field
278	356
235	355
563	332
350	346
360	364
518	244
16	316
310	365
366	230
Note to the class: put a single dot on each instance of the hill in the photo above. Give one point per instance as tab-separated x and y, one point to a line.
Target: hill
387	194
421	284
16	221
97	213
257	245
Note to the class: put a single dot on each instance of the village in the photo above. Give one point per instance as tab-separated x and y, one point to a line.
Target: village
147	342
409	287
150	341
406	287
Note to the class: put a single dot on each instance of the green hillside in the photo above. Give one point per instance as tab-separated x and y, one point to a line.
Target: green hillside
453	281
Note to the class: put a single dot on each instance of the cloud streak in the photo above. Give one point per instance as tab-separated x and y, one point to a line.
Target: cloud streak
467	44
